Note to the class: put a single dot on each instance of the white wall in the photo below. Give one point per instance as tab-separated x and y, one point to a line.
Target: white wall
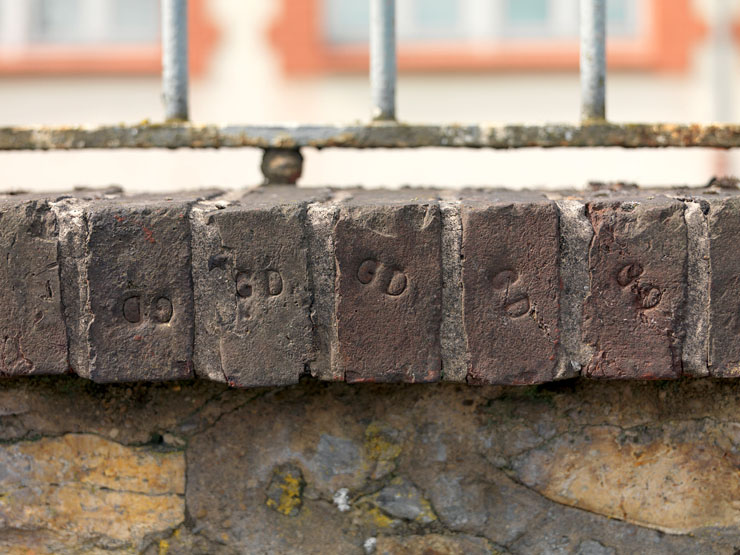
244	85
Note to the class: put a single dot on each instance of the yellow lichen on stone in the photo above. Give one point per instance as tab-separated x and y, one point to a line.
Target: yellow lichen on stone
381	452
285	491
379	518
291	497
164	547
83	486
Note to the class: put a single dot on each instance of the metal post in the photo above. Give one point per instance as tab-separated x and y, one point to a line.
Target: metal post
383	58
593	60
175	59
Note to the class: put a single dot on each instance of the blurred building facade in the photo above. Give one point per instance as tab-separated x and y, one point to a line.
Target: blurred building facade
254	61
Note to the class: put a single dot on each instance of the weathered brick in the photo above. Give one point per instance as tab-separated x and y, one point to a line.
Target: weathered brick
253	291
140	291
33	337
724	256
637	265
511	288
389	288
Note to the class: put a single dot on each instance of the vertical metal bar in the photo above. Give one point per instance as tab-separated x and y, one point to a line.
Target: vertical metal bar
593	60
383	58
175	59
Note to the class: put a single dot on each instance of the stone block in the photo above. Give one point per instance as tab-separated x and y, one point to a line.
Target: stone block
724	256
389	288
33	338
253	290
140	291
637	265
511	288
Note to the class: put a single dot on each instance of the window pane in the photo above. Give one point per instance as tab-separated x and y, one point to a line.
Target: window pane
77	21
56	21
134	21
527	11
621	17
347	20
436	13
616	11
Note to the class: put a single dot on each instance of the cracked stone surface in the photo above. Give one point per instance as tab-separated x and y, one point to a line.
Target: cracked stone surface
576	466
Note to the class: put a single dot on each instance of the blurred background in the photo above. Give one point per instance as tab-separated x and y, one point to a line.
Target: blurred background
282	61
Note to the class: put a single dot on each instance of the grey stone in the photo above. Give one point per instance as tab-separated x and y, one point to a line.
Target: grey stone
140	290
452	336
389	287
33	337
724	231
285	491
592	547
696	344
73	231
336	456
575	237
402	499
253	291
322	217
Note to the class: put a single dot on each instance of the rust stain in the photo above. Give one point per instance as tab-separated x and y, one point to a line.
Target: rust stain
148	233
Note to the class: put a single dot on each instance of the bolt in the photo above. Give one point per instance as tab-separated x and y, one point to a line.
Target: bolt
282	166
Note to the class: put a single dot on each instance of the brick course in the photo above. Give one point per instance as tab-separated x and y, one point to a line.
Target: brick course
258	288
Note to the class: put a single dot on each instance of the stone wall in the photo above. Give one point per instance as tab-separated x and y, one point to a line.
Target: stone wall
575	466
238	329
260	288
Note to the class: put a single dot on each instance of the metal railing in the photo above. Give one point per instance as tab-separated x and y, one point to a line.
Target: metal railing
384	131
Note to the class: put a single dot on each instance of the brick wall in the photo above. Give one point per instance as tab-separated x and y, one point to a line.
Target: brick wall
261	288
278	292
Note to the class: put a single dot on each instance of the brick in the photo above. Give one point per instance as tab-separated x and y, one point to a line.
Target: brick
253	290
637	266
140	291
389	288
33	337
724	256
511	288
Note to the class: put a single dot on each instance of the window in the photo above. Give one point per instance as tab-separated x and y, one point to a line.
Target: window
331	35
346	21
91	36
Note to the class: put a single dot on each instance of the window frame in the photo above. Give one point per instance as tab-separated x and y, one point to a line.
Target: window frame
672	30
143	58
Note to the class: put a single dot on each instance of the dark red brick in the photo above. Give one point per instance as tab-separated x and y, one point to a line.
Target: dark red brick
637	266
141	291
33	337
511	289
389	290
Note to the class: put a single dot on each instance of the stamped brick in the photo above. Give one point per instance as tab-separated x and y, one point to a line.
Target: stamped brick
724	256
389	288
511	289
637	266
140	291
253	293
33	337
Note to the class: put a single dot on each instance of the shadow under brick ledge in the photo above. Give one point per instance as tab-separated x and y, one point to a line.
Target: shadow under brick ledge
575	466
259	288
